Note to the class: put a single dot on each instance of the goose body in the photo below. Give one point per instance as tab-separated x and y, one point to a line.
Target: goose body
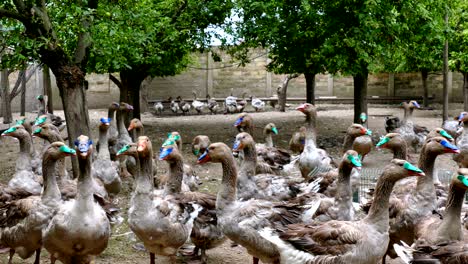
158	107
230	104
257	104
80	230
212	104
184	106
414	135
462	143
343	241
174	105
198	105
297	141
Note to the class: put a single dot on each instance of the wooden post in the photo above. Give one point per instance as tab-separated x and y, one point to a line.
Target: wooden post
391	84
209	74
330	85
268	91
445	71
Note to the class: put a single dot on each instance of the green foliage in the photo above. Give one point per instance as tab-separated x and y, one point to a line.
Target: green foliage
154	37
458	40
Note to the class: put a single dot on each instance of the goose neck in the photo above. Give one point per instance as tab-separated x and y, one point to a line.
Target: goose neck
176	172
344	193
249	163
400	152
268	140
103	145
144	181
51	191
348	142
378	213
227	193
425	184
85	179
450	228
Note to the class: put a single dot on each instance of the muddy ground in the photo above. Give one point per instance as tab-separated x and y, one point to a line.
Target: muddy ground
332	123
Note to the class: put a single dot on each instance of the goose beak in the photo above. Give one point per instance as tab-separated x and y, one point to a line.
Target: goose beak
275	130
141	146
130	127
413	170
449	148
237	146
301	108
238	121
165	153
204	158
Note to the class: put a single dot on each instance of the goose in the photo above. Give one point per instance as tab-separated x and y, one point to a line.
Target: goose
158	107
36	155
112	132
297	141
184	106
24	177
23	220
205	233
126	165
433	231
392	123
137	125
257	104
199	144
103	168
267	152
413	199
197	105
335	241
242	103
414	135
462	143
453	128
80	230
440	132
240	221
22	120
54	119
352	140
395	143
213	105
161	221
363	144
244	123
174	105
230	104
312	157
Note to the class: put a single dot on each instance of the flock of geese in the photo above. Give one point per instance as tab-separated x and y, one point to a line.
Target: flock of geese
283	206
232	104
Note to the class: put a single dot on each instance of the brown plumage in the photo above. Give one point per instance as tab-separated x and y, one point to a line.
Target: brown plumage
245	123
297	141
356	139
199	144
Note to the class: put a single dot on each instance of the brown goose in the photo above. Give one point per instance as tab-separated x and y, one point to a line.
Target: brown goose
414	135
441	238
24	178
462	143
112	132
362	146
22	221
136	124
244	123
312	158
199	144
352	242
241	221
205	233
413	201
267	152
161	221
395	143
127	165
296	144
80	229
440	132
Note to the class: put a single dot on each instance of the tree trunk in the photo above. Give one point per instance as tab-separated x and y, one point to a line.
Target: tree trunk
424	74
465	91
445	71
130	91
47	86
144	94
310	87
5	93
282	91
23	94
70	82
360	95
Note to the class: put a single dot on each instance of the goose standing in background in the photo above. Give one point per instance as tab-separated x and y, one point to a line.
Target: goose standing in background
257	104
244	123
184	106
462	143
297	141
174	105
112	132
242	103
158	107
127	165
199	144
352	140
230	104
212	104
197	105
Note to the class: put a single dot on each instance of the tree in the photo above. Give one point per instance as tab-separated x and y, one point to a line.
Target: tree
56	33
459	35
140	39
290	30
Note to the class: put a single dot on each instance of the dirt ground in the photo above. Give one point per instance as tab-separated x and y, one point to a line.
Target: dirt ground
332	123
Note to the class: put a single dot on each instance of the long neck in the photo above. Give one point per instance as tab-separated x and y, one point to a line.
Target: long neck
344	194
348	142
400	152
450	228
140	131
227	193
311	125
144	183
121	124
103	145
85	181
176	173
268	139
406	114
378	213
425	184
51	190
25	144
249	163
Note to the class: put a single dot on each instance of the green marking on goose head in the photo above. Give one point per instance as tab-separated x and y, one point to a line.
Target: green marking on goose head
37	130
355	161
40	121
411	167
463	179
123	149
445	134
383	141
275	130
66	149
10	130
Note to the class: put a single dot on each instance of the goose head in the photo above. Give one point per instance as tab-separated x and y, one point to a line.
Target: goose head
461	179
83	146
440	132
125	107
144	148
414	104
104	123
128	150
270	128
242	140
40	97
307	109
351	159
356	130
391	141
243	120
21	120
216	152
170	153
399	169
439	145
40	120
42	131
363	118
135	123
199	144
17	131
58	150
462	118
114	106
173	137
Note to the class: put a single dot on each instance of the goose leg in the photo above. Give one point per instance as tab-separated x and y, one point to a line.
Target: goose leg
10	259
255	260
52	259
38	256
152	260
204	258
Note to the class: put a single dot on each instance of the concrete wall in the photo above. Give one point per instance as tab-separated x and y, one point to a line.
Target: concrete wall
218	78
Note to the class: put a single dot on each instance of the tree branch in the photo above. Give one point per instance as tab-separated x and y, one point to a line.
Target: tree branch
179	11
15	90
11	14
84	38
116	81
